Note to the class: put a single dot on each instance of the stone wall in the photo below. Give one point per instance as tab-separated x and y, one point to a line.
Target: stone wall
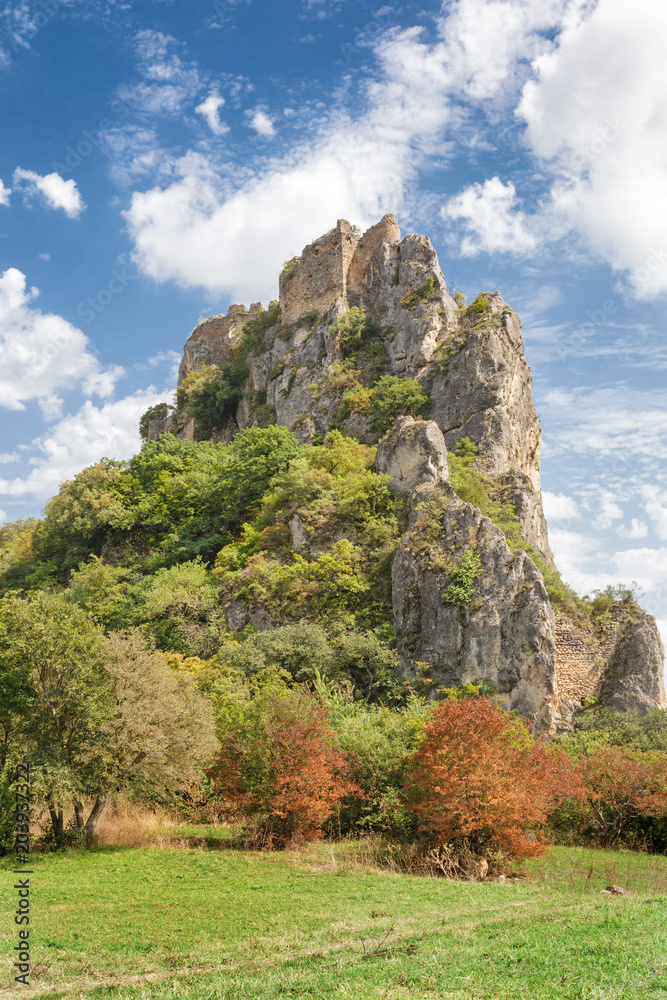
582	655
385	231
332	269
316	279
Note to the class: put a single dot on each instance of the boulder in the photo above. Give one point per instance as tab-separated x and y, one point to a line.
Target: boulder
412	452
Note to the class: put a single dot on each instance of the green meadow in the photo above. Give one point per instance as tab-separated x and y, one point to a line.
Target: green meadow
216	923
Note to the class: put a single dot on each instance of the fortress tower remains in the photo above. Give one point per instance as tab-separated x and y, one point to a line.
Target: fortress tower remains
331	269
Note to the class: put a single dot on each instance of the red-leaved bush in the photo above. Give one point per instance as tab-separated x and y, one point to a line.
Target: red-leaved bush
280	761
621	783
479	775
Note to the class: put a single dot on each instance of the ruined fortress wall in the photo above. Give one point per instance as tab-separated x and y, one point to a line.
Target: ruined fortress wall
385	231
581	657
319	278
332	268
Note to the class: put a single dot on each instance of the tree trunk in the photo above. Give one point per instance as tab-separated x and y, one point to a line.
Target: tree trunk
91	822
78	812
56	813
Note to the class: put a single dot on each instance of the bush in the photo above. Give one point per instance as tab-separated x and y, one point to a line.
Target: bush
211	395
395	397
460	590
622	784
478	307
479	776
417	294
279	759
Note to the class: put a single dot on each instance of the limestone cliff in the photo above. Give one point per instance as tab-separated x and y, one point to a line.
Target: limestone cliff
305	371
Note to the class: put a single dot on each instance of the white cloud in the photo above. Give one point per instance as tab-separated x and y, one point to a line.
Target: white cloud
494	224
42	352
80	439
558	507
638	529
210	110
647	566
57	192
621	425
262	124
607	145
44	256
168	85
655	505
4	194
201	231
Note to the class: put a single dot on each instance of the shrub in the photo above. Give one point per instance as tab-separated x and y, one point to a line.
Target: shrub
620	785
460	590
395	396
466	448
290	267
211	395
480	776
279	760
478	307
417	294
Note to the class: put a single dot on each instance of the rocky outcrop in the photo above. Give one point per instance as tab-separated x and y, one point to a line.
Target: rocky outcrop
413	452
210	343
633	679
504	634
472	363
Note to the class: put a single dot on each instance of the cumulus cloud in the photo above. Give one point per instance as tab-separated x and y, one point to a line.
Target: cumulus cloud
232	235
41	353
210	110
81	439
262	124
558	507
55	190
201	231
608	147
5	192
638	529
491	217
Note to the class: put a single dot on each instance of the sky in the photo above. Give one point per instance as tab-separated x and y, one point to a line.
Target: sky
159	160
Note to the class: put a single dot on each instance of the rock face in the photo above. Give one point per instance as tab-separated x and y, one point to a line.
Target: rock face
471	362
634	676
503	635
413	452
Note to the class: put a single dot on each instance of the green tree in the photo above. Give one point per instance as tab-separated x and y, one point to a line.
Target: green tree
394	397
95	713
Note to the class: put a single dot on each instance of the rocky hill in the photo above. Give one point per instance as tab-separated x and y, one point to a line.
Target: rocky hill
366	339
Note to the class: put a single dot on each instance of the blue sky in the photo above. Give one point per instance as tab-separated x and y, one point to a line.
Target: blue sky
160	160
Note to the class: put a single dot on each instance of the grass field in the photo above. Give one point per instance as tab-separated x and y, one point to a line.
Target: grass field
193	923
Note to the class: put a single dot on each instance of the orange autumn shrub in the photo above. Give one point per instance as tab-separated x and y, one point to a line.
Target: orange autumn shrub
480	776
620	784
280	761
